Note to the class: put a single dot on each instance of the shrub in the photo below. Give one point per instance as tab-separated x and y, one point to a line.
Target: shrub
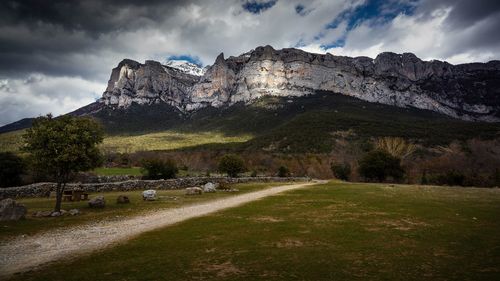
11	169
341	171
253	174
378	165
452	177
283	172
156	169
231	164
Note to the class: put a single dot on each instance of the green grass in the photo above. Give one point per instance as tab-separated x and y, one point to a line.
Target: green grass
132	171
167	140
32	225
335	231
11	141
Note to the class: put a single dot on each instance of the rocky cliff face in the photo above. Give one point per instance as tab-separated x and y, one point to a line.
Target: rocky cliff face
467	91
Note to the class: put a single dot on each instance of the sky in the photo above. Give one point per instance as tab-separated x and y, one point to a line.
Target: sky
57	55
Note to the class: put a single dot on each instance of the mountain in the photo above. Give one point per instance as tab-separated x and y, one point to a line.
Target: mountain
466	91
186	67
167	93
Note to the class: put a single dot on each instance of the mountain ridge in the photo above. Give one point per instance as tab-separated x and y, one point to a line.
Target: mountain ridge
465	91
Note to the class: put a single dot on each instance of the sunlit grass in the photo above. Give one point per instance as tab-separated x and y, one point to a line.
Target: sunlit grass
11	141
167	140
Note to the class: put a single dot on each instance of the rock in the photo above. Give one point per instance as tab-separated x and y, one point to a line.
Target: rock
74	212
122	199
63	212
194	191
401	80
97	202
149	195
55	214
11	211
40	214
209	187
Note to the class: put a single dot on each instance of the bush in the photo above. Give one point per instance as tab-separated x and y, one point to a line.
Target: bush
283	172
341	171
156	169
231	164
451	178
11	169
378	165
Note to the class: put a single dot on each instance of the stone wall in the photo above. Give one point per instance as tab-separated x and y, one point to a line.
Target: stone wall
43	189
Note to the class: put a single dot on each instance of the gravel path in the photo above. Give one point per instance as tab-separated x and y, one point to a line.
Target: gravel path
27	253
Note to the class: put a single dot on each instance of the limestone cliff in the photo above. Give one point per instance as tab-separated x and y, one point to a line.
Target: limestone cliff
467	91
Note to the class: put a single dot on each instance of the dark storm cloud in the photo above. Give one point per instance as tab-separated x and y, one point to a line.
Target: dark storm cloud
49	36
92	16
464	12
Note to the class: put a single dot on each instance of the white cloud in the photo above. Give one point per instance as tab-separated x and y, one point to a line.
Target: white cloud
40	94
428	36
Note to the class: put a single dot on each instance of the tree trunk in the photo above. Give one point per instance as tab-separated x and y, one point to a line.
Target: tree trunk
59	193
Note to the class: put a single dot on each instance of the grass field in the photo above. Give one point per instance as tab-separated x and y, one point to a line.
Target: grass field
112	210
167	140
11	141
335	231
132	171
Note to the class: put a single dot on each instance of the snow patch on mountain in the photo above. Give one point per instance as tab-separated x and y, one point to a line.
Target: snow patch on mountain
186	67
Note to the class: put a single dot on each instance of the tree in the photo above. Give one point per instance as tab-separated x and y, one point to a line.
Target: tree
379	164
341	171
155	169
283	172
397	147
11	169
63	146
231	164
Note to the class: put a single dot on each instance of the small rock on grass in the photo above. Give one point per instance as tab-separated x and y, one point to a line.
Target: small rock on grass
10	210
97	202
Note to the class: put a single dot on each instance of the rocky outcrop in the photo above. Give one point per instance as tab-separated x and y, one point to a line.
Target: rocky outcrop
149	83
466	91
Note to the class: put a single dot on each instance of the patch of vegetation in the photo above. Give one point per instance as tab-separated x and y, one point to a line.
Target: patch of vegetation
337	231
167	140
11	141
156	169
132	171
11	169
231	164
341	171
378	165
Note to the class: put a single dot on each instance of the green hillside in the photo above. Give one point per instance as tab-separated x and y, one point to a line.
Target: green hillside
304	124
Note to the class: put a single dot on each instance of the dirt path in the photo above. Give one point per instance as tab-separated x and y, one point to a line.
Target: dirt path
26	253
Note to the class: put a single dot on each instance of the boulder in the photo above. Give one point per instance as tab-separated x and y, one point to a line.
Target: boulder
74	212
56	214
122	199
194	191
10	210
97	202
209	187
149	195
40	214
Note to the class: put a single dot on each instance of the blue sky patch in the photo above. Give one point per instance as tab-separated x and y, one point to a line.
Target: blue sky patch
375	11
256	7
191	59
